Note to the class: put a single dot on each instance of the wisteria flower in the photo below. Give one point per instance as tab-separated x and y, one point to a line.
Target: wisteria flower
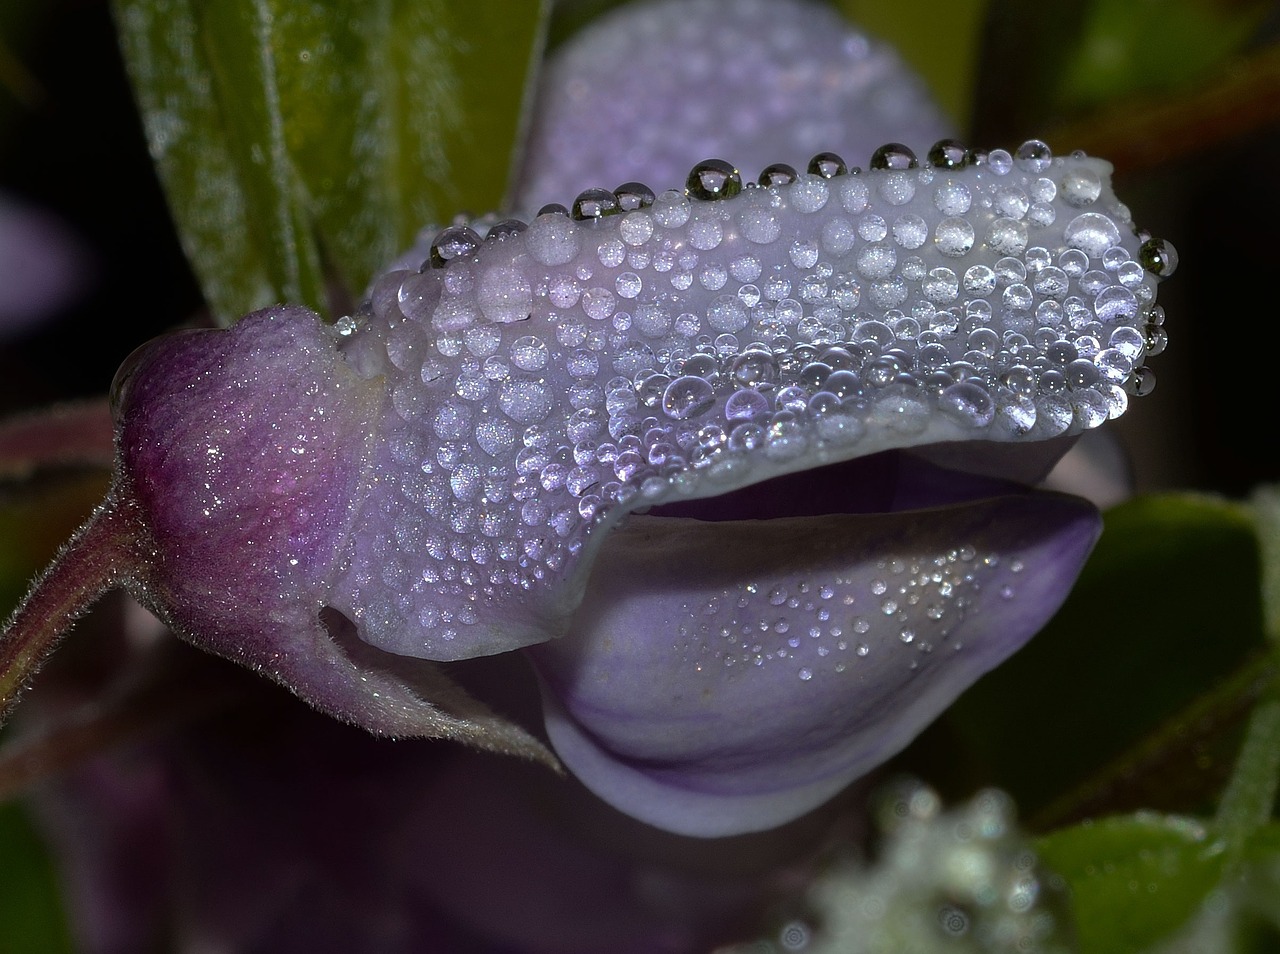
741	466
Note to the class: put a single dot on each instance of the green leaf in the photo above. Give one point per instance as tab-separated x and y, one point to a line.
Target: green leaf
1133	880
1132	47
1265	506
303	143
1166	609
30	907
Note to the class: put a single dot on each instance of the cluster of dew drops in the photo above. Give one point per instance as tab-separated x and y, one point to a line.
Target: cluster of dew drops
1063	361
796	362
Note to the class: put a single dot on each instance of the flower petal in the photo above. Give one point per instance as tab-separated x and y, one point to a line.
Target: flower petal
650	89
543	383
727	677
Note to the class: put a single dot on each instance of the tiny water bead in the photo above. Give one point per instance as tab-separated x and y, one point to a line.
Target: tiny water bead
893	156
634	195
777	174
648	348
1158	257
505	229
948	154
457	241
594	204
828	165
713	179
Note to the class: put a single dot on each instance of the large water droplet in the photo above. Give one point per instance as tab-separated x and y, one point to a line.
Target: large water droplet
948	154
778	174
893	155
457	241
687	396
713	179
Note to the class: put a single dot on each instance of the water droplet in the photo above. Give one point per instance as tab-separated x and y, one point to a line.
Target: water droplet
954	237
505	229
687	396
1000	162
529	353
634	195
457	241
1159	257
828	165
713	179
893	155
947	154
594	204
778	174
1033	156
1092	233
967	403
1141	382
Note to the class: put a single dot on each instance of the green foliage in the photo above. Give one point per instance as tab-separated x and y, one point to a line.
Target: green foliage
303	144
1129	47
1134	880
30	907
1166	609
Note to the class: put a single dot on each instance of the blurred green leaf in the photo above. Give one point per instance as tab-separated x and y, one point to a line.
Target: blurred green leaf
1130	47
1166	609
1134	880
303	144
1265	505
939	40
30	909
1042	66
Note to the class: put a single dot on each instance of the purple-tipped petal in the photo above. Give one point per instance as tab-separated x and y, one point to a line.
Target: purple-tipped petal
654	87
727	677
547	381
244	455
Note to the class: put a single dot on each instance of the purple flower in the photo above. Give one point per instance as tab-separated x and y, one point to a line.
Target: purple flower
741	466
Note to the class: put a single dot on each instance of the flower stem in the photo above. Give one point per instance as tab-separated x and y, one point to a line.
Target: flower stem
95	560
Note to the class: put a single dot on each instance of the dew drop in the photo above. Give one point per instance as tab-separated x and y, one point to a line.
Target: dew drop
457	241
778	174
505	229
947	154
687	396
1092	233
1159	257
893	155
634	195
828	165
1033	156
713	179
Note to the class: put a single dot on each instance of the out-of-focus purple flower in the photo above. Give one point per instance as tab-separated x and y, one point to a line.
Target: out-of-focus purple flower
42	266
650	89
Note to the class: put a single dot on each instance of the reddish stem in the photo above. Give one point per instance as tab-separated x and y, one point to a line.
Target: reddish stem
96	559
79	433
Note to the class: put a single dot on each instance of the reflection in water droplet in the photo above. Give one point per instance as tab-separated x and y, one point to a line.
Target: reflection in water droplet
713	179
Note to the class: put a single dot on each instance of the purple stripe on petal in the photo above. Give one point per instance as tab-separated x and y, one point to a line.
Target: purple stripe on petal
727	677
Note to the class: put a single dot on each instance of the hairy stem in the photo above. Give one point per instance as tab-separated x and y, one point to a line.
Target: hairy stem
96	559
